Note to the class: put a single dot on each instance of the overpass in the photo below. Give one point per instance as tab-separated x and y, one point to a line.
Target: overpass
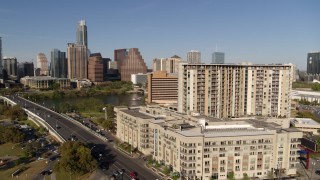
67	127
36	119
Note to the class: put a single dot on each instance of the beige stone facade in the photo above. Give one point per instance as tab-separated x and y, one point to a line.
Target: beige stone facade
235	90
44	82
201	147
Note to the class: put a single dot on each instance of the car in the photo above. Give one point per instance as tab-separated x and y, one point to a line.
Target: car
115	174
133	175
120	171
44	172
318	172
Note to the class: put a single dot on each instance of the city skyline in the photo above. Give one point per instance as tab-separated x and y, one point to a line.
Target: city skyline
259	32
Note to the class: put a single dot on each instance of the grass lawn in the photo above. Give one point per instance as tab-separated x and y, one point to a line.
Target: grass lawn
65	175
29	123
10	149
33	169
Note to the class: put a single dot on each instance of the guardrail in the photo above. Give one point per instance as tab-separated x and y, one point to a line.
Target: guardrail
70	119
45	124
38	119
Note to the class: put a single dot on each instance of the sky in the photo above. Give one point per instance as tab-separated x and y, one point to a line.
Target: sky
257	31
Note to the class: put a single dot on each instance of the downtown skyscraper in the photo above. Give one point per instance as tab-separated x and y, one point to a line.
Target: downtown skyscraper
82	34
58	65
42	64
78	53
77	61
218	58
133	63
313	63
10	65
194	57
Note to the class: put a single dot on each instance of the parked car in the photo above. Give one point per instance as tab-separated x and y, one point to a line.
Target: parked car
133	175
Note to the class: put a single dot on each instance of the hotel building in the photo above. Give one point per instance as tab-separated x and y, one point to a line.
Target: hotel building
235	90
201	147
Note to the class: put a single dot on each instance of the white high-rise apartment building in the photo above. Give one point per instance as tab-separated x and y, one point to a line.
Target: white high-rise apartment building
194	57
199	147
234	90
42	64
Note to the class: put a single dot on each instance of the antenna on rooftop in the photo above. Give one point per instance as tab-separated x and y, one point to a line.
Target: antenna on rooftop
216	48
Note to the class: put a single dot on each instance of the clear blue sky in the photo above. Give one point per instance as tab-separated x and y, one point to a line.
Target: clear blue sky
258	31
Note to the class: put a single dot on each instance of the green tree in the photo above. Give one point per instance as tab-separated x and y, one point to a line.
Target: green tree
11	134
108	124
270	175
166	170
315	87
245	176
230	176
75	159
32	148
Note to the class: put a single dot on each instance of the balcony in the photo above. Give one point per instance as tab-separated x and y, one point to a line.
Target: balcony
188	153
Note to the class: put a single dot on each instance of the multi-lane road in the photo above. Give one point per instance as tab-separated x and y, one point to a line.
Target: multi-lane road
112	158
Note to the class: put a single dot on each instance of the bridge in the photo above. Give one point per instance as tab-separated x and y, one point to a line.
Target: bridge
66	128
36	119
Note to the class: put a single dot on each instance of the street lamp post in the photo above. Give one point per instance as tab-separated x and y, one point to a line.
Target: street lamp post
105	113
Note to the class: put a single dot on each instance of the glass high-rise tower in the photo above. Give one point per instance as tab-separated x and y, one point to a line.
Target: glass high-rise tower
82	35
218	58
58	64
313	63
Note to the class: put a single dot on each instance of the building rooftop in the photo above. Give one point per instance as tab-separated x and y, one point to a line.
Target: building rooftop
303	121
136	113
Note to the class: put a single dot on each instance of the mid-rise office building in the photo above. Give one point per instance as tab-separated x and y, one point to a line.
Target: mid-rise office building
82	34
133	63
139	79
199	147
194	57
96	68
162	87
77	58
234	90
59	67
10	65
44	82
218	58
167	64
313	63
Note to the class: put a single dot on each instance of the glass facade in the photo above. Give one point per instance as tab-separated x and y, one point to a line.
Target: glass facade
218	58
58	64
313	63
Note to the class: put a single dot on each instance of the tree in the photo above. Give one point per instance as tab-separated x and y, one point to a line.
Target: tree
245	176
75	159
108	124
270	175
230	176
166	170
